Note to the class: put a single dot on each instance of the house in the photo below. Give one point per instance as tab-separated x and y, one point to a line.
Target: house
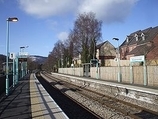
105	51
142	42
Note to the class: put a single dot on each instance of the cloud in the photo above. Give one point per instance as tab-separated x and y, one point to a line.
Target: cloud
62	36
108	11
47	8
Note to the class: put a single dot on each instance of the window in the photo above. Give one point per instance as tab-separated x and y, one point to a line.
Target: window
136	36
143	36
127	39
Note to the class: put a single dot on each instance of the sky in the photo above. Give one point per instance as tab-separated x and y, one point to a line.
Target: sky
44	22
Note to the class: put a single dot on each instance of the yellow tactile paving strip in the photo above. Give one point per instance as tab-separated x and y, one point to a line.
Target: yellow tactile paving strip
42	105
36	109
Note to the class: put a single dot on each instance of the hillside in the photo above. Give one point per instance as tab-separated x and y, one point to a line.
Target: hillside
38	59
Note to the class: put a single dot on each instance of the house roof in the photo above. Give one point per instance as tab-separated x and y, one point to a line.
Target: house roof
149	33
141	50
142	46
99	45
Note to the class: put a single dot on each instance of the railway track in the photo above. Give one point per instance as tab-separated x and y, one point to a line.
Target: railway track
127	109
72	108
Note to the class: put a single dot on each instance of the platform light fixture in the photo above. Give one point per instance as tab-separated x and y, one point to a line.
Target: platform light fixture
22	48
13	19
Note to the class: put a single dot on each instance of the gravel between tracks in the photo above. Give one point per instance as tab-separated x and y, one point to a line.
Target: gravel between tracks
105	112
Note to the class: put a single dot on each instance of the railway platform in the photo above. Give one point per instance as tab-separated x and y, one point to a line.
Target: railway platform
142	96
144	89
29	100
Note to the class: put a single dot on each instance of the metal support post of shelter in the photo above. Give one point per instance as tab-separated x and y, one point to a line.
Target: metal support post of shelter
22	70
25	72
13	72
12	56
17	70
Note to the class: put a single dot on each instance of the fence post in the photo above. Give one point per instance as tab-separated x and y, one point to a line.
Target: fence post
145	74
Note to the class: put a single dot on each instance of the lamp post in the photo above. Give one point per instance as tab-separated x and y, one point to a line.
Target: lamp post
119	70
14	19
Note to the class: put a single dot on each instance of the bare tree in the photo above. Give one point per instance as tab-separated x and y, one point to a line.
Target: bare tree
81	40
55	57
85	35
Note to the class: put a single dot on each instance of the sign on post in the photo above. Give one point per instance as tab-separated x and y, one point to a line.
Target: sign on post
23	53
12	55
137	58
22	59
140	58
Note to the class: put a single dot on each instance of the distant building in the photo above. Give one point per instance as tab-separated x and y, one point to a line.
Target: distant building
142	42
105	51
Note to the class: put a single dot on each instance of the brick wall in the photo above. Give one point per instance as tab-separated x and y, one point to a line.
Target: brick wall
153	54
